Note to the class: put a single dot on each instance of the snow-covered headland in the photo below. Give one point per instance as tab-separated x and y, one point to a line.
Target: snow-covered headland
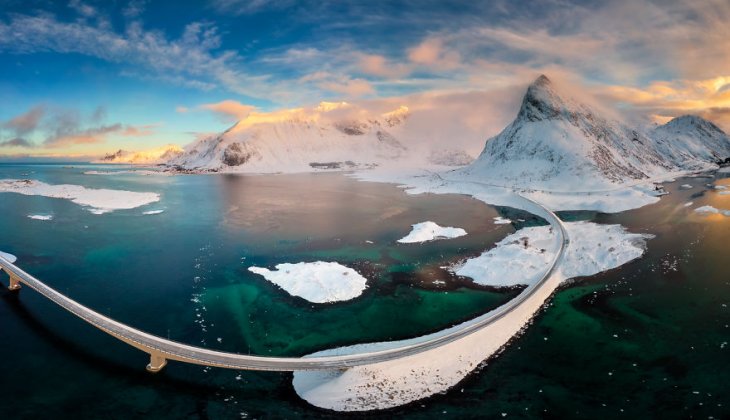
318	282
430	231
98	201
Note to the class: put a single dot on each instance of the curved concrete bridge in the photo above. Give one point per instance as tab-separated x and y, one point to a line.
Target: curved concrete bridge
161	350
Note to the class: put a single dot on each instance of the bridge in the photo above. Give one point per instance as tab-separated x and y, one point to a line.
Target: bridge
161	350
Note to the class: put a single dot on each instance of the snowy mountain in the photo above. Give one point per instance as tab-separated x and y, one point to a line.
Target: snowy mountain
692	140
330	136
148	157
556	142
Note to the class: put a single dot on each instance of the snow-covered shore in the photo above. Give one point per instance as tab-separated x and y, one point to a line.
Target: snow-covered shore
98	201
129	172
430	231
622	198
318	282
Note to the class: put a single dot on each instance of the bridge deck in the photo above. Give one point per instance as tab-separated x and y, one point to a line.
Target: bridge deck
161	349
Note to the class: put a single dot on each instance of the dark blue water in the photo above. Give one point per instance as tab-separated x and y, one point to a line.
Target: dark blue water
646	340
183	274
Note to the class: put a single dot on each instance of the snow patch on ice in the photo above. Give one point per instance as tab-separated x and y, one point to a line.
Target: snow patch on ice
40	216
318	282
685	186
430	231
98	201
499	220
593	248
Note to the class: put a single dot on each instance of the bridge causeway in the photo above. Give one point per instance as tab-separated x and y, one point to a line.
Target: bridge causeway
162	350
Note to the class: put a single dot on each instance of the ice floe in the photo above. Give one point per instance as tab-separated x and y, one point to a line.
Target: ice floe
318	282
40	216
150	212
712	210
430	231
499	220
98	201
685	186
593	248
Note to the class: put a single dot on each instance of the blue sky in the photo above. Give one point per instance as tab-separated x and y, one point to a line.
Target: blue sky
85	77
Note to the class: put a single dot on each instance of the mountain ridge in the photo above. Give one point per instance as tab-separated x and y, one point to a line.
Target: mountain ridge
555	140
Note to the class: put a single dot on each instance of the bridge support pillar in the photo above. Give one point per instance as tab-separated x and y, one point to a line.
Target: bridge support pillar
157	362
14	283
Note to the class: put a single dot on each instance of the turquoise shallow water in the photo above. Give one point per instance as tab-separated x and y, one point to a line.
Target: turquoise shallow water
644	340
183	274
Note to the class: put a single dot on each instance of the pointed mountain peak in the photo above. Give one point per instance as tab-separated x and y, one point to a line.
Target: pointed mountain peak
542	80
542	102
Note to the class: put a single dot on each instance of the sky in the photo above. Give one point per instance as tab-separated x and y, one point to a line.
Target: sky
83	78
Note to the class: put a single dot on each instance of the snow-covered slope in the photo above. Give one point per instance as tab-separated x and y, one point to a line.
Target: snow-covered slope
692	140
556	142
160	155
331	136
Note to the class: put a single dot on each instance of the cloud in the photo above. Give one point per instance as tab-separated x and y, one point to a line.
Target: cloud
351	88
431	52
245	7
26	122
61	127
83	8
378	65
69	137
229	110
134	8
662	99
137	51
17	142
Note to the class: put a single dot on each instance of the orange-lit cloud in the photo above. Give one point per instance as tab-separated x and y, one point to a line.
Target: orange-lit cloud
350	88
709	98
432	53
229	110
377	65
97	135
